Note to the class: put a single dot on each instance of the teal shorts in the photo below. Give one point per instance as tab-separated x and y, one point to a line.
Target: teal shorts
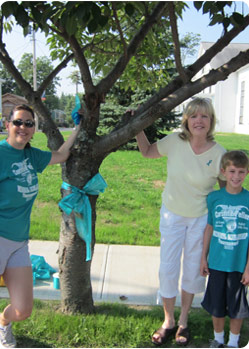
13	254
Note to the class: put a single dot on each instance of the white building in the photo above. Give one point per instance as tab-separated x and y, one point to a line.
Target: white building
230	97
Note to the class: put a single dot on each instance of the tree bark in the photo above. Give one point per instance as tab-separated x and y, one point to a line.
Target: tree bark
75	272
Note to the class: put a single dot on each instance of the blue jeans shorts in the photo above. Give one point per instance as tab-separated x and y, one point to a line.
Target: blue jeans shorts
13	254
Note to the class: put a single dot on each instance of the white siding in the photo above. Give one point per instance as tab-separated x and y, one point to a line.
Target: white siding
243	75
226	95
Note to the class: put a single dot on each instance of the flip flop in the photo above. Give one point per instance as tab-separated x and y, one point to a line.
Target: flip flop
164	335
182	333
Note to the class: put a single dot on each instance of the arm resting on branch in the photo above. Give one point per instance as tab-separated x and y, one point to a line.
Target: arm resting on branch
147	150
62	154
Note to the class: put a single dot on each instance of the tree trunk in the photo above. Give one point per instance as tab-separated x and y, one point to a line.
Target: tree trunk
75	272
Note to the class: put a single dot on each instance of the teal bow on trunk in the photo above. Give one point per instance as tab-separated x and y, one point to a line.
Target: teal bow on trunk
78	203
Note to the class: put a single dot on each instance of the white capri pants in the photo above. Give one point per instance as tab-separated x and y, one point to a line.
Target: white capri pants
180	235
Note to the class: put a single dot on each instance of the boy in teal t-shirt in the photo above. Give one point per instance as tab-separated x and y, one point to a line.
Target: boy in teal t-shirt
226	241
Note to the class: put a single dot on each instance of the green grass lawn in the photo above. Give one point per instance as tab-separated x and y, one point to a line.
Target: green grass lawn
127	213
128	210
111	326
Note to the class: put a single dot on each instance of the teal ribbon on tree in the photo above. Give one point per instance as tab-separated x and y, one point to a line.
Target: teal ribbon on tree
75	115
78	203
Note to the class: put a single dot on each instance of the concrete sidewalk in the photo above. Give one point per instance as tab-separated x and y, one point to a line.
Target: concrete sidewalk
120	274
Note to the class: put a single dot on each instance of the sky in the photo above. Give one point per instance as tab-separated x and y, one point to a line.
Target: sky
193	22
196	23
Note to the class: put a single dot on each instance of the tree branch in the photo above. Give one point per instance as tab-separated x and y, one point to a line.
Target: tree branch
218	46
82	63
8	63
53	74
119	28
193	69
106	83
175	36
144	119
55	139
78	54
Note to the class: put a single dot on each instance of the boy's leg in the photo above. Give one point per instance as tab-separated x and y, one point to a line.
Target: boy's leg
218	324
238	308
235	327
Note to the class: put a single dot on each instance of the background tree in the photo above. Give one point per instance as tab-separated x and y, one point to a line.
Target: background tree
75	78
67	104
9	85
116	104
122	43
189	46
25	66
43	67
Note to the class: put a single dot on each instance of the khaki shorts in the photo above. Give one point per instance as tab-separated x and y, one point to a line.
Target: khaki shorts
13	254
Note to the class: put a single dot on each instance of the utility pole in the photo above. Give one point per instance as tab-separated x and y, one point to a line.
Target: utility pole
34	61
35	73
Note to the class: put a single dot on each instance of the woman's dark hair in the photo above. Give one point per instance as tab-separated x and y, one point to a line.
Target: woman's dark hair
21	107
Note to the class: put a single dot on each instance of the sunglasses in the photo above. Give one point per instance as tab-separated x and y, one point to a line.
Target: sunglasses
27	123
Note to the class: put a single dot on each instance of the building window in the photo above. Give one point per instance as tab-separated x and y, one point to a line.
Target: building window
242	101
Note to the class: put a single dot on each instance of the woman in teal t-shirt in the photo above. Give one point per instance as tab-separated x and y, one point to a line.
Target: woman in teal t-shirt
19	166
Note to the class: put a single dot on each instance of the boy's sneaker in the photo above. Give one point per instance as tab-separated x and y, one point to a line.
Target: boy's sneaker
7	340
215	344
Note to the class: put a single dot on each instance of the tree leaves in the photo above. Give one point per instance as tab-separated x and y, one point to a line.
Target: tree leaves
217	13
9	8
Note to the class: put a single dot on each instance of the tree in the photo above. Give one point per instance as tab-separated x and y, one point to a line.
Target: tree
119	42
116	104
43	69
75	78
25	66
188	45
9	85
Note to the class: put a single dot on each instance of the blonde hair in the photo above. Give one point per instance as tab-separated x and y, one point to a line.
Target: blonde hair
236	158
198	104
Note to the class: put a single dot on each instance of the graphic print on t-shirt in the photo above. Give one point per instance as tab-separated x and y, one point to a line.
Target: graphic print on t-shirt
231	225
25	174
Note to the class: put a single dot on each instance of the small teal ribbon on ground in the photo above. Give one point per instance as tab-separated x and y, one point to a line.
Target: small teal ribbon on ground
40	268
78	203
75	115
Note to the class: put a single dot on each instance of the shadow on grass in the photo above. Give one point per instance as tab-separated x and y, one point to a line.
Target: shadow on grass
112	325
27	342
200	324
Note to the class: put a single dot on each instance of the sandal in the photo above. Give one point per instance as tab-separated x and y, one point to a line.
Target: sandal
163	335
182	333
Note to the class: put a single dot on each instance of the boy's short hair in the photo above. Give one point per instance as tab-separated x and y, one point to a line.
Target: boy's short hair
237	158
